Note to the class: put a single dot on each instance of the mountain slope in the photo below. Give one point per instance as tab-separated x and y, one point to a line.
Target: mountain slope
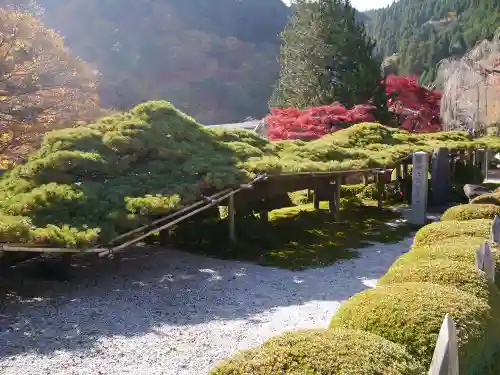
422	32
215	60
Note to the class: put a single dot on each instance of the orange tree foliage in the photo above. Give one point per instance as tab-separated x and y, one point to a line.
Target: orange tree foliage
42	85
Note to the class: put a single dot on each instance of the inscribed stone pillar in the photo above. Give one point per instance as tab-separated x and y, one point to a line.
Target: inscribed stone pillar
440	176
419	188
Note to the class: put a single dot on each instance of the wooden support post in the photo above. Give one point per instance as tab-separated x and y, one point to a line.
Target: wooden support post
487	153
380	189
365	178
164	237
231	219
480	161
264	215
338	187
398	172
63	268
309	195
461	155
405	170
316	200
445	357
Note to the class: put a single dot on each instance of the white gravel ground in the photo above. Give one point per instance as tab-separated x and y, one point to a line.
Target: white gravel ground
172	312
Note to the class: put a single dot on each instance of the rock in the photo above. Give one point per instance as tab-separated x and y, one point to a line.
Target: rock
472	191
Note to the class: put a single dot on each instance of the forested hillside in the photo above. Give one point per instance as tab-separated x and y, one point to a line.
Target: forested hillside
215	60
424	32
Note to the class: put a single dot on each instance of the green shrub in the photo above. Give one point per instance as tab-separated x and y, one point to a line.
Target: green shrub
369	192
15	228
411	314
461	249
435	232
461	275
471	212
467	174
300	197
319	352
351	190
488	198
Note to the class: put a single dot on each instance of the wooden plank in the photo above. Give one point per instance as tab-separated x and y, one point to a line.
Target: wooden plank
495	230
485	261
445	357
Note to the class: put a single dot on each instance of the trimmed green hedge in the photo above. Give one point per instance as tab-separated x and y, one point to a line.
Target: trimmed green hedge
461	275
319	352
411	314
470	212
440	230
462	249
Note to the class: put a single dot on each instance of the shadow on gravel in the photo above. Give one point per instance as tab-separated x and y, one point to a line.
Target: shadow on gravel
143	290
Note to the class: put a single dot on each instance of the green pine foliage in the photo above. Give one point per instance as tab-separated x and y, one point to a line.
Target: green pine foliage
424	32
87	184
325	57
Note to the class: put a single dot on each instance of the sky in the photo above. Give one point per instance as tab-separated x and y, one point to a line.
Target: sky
362	5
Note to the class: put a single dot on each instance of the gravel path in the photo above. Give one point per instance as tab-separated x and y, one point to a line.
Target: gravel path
172	313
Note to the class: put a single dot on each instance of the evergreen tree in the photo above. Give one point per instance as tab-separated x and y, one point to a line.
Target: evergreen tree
300	59
352	73
325	57
380	97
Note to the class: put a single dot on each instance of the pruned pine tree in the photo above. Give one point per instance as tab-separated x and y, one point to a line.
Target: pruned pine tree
325	57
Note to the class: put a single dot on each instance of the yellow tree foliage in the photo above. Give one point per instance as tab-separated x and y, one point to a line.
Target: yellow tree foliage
42	85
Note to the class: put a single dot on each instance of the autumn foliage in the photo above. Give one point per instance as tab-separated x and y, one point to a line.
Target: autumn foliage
314	122
417	106
42	85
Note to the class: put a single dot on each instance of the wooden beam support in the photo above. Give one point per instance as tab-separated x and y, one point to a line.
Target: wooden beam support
338	187
380	190
365	178
398	172
316	199
231	219
264	215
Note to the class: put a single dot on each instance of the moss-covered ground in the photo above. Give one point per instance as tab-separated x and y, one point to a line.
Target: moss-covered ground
296	237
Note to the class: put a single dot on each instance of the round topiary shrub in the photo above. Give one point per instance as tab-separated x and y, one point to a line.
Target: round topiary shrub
318	352
437	231
461	249
411	314
471	212
461	275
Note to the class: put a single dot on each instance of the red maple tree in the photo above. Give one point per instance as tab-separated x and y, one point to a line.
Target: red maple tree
417	106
